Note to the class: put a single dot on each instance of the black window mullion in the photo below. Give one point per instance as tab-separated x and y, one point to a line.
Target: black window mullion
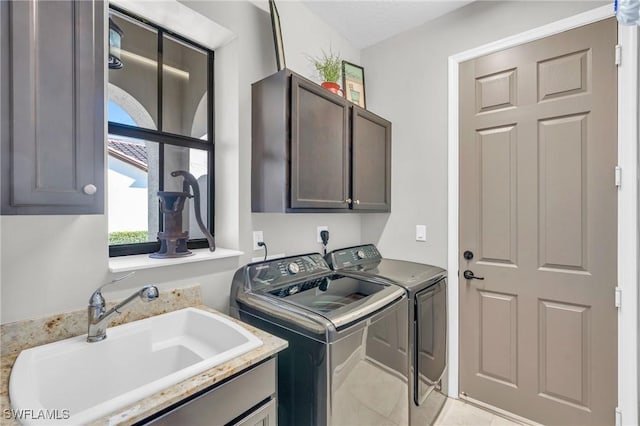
160	77
157	136
160	125
136	248
210	140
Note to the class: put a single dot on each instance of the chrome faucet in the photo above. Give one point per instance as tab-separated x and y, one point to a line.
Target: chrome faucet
99	316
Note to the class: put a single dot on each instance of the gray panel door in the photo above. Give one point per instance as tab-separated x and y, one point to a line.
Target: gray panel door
538	336
55	113
371	161
319	147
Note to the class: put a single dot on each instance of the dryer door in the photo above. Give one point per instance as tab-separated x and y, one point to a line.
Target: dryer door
431	338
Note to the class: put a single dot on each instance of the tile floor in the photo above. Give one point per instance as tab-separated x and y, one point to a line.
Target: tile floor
459	413
362	399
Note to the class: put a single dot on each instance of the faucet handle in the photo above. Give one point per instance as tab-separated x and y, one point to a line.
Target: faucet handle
96	298
115	280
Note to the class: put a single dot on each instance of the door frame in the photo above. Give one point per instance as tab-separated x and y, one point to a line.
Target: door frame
628	201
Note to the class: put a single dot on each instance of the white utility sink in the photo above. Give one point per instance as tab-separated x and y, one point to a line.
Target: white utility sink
137	359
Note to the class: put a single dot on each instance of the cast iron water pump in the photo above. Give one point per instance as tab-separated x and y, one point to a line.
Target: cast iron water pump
173	240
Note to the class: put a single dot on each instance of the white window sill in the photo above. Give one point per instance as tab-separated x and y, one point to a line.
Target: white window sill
143	261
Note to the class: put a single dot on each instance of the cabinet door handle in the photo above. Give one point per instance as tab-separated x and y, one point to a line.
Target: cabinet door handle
89	189
348	201
357	201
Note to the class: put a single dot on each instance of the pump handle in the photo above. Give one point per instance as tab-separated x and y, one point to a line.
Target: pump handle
190	181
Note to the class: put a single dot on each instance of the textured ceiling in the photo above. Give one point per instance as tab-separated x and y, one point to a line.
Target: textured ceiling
366	22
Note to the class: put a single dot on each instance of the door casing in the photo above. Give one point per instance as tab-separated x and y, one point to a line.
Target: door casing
627	201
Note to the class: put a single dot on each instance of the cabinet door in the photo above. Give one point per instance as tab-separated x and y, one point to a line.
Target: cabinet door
230	400
319	147
371	161
264	416
54	150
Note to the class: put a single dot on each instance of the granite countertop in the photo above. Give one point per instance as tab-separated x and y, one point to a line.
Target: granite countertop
163	399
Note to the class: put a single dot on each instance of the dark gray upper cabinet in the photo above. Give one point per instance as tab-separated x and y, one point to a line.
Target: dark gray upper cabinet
319	147
313	151
371	139
52	107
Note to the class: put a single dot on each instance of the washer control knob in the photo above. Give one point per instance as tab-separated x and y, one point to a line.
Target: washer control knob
361	254
293	268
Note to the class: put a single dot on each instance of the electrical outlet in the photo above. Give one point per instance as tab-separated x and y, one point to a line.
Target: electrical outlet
257	238
318	230
421	233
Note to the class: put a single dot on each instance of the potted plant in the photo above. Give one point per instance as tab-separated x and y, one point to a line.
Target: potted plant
329	67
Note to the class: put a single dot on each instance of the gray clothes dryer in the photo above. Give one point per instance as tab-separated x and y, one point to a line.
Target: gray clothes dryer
426	319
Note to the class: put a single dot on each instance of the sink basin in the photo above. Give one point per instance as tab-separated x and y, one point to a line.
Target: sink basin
78	382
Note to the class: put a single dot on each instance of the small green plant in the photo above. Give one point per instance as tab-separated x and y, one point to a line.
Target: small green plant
328	66
127	237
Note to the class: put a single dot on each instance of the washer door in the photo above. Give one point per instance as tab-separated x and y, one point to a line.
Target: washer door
430	338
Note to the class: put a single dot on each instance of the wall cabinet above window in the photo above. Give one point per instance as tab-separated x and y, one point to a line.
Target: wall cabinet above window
52	118
313	151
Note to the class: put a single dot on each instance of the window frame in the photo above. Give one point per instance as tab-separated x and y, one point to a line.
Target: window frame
163	138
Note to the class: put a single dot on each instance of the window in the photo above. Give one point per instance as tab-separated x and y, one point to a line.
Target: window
160	112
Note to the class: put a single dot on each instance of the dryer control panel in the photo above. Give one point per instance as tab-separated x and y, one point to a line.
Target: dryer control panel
353	256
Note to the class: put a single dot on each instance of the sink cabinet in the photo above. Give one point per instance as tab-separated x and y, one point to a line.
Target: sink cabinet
313	151
246	399
52	106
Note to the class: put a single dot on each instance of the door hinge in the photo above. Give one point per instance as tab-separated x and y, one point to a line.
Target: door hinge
618	298
618	176
618	55
618	416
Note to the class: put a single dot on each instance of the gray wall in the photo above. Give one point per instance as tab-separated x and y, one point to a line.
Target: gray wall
406	82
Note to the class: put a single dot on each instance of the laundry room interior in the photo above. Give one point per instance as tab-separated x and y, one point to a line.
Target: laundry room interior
307	212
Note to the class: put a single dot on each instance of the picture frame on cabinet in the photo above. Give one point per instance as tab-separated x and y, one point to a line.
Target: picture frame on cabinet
277	36
353	83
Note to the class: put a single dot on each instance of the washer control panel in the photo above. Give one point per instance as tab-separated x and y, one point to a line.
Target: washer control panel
293	268
276	272
353	256
302	286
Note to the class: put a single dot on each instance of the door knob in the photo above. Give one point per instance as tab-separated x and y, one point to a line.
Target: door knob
348	201
468	275
357	201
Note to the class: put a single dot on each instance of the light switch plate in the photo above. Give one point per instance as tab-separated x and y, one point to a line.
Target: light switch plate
421	233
